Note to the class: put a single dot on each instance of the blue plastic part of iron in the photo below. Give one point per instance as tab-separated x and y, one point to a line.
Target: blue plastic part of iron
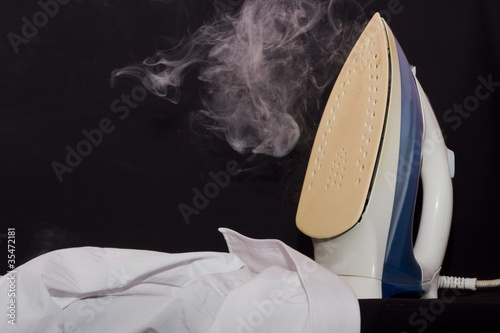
402	275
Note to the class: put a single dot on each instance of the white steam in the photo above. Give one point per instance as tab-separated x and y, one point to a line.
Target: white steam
261	67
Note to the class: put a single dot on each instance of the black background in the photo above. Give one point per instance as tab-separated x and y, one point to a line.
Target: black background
126	192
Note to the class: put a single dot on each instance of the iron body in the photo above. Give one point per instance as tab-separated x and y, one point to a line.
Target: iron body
362	230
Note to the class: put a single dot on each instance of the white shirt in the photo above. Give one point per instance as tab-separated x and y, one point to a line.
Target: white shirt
259	286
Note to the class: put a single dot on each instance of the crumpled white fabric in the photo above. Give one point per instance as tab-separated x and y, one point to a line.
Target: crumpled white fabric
259	286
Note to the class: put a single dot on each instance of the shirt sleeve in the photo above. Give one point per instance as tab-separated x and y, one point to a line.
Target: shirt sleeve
329	304
59	288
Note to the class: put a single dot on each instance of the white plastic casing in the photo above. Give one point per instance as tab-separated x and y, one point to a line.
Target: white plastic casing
437	205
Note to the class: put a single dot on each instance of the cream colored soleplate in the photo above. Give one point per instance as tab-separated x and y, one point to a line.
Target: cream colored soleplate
344	153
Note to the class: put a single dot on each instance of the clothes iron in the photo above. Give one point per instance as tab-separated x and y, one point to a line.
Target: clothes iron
378	135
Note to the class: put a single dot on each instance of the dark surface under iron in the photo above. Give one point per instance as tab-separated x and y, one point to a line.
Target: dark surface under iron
127	193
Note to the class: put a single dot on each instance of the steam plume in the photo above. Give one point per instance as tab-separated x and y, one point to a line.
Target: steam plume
261	66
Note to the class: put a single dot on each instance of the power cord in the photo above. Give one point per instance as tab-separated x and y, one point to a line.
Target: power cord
451	282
